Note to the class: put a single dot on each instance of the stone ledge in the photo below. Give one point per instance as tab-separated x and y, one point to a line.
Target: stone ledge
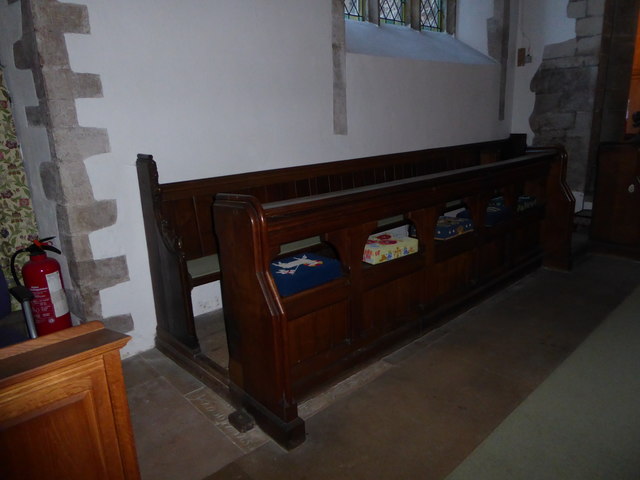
559	50
52	51
87	218
571	62
596	8
78	244
63	111
78	143
577	9
589	45
61	17
97	275
69	85
66	183
74	180
589	26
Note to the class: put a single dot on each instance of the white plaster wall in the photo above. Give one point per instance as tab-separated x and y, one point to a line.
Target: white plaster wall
471	23
471	29
421	112
213	88
541	23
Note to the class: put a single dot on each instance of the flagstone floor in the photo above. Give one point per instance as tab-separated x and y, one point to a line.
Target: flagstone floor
414	414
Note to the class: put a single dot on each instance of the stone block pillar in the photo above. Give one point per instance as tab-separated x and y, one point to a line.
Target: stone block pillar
42	49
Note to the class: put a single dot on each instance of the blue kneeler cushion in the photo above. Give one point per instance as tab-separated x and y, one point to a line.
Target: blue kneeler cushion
497	211
301	272
450	227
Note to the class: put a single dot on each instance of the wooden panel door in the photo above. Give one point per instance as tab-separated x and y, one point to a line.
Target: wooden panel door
616	208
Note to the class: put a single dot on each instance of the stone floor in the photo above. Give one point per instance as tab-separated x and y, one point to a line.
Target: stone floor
415	414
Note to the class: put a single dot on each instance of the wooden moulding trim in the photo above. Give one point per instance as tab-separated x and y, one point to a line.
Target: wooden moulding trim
44	354
59	336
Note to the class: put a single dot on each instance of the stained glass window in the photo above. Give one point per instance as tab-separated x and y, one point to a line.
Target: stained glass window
397	12
431	15
354	9
393	11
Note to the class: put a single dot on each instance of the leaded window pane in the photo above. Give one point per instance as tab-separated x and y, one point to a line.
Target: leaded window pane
354	9
431	15
393	11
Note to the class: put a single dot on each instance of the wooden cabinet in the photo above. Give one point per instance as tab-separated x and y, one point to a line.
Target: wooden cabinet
63	408
616	208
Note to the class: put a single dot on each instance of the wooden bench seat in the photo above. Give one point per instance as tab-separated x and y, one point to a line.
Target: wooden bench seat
204	269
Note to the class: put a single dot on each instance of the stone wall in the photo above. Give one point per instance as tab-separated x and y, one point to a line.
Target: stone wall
565	88
582	85
42	49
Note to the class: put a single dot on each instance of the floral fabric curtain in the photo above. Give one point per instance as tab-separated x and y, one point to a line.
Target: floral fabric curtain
17	220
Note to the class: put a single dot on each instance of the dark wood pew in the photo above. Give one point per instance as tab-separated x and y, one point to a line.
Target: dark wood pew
282	348
183	248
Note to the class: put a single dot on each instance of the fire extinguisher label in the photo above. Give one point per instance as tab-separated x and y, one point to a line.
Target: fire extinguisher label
41	306
58	297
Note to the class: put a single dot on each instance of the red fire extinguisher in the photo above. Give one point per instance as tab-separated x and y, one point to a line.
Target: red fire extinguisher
41	276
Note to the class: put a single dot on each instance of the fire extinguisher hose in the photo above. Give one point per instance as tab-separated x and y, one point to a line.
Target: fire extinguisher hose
14	274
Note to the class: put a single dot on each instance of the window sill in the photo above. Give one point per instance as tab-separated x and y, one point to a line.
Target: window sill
403	42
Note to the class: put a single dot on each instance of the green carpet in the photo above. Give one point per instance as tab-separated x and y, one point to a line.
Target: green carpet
582	422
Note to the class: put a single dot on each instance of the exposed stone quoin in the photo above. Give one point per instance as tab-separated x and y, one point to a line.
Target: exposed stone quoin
565	87
582	79
42	49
